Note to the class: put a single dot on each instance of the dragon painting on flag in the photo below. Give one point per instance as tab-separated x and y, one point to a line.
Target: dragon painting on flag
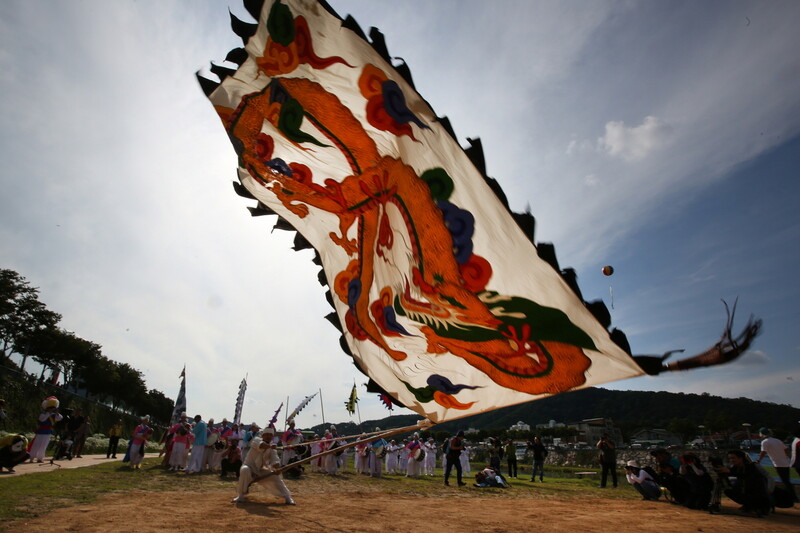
443	299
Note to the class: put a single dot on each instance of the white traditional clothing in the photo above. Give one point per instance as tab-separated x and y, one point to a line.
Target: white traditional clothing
391	458
332	461
291	437
413	466
402	458
218	450
376	450
362	458
258	468
430	458
464	457
200	432
342	459
316	448
138	442
43	433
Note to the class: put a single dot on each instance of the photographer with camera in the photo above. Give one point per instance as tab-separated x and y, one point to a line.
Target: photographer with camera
642	481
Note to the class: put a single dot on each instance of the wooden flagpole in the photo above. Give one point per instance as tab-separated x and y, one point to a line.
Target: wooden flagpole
286	413
358	409
321	406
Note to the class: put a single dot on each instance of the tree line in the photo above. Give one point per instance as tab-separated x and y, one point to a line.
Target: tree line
31	330
680	413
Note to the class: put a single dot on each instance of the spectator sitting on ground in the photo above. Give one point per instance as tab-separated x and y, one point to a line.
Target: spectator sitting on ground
489	477
642	481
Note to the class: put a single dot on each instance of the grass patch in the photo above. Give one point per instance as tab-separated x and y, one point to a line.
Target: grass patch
33	495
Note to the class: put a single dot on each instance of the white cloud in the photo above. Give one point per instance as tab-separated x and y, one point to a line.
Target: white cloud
634	143
754	358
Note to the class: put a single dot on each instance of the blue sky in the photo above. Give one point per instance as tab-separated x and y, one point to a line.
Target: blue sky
659	137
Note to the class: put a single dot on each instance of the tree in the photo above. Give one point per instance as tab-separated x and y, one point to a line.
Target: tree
683	427
100	378
21	314
62	351
129	387
158	406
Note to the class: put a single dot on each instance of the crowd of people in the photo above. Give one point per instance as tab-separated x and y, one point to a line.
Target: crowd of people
686	481
265	455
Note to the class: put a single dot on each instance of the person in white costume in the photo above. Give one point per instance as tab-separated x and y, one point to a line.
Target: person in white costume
259	467
391	457
332	461
402	457
44	429
464	458
290	438
361	457
430	457
316	448
342	458
377	450
413	466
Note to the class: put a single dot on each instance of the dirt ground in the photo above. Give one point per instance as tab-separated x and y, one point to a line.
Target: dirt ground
322	508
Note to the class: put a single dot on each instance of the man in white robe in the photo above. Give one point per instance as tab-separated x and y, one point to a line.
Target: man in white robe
464	458
391	457
259	468
430	457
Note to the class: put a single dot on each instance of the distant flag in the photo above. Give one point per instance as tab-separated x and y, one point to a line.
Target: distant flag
180	402
387	401
350	404
300	407
237	416
275	416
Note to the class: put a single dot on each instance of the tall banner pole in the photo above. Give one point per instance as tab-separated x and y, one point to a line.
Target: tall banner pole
321	406
358	409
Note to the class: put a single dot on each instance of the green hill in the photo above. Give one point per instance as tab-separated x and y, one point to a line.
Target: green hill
630	411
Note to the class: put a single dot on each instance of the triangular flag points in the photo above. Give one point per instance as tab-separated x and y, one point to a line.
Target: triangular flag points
442	297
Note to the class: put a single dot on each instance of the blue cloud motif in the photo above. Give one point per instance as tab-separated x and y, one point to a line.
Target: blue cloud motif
443	384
